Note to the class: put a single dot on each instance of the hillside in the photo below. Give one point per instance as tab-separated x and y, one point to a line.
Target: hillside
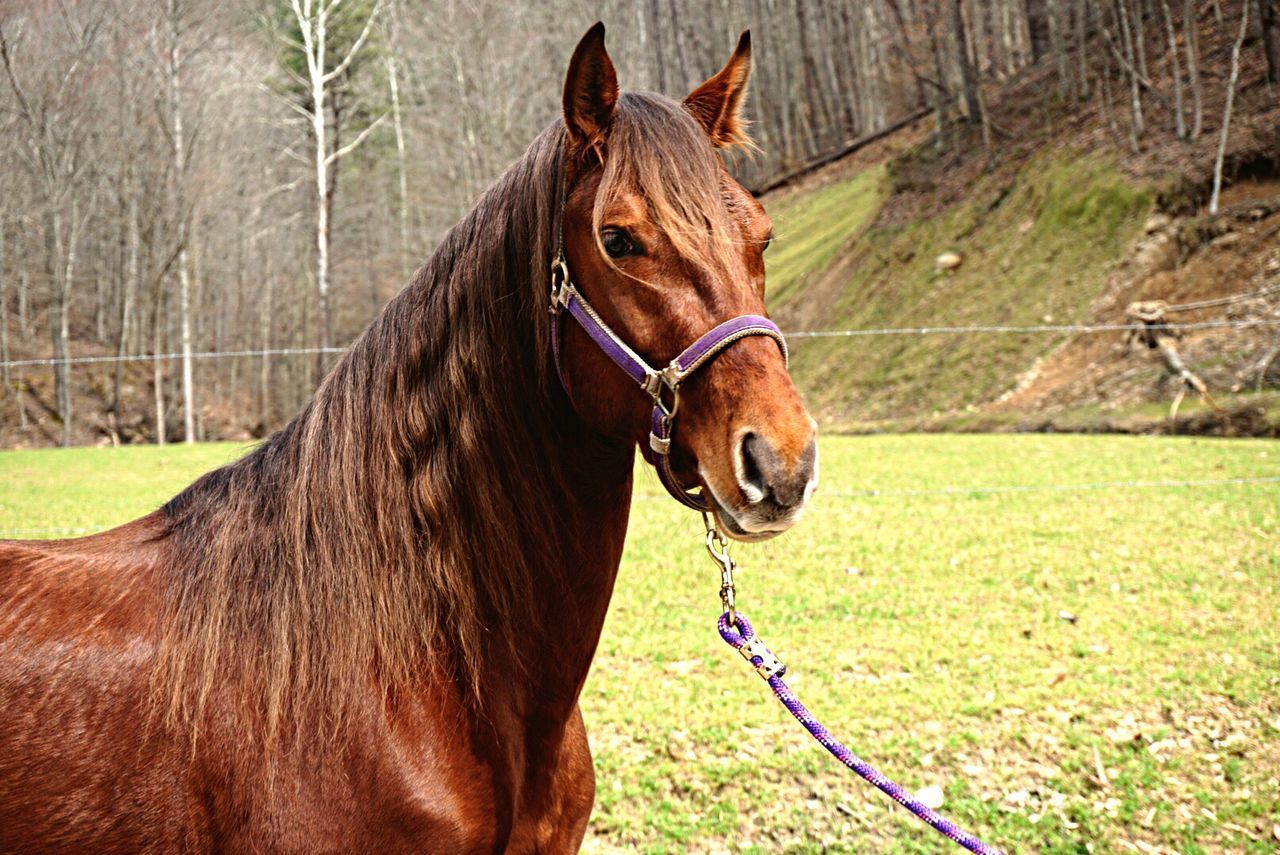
1065	227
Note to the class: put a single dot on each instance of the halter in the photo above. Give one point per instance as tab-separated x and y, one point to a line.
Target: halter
566	298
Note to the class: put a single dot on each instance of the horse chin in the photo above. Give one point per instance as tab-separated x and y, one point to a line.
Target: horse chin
738	525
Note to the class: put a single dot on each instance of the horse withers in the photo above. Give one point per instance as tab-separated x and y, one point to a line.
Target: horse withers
370	633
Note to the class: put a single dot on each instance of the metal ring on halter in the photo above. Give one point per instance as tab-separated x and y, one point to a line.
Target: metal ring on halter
559	284
668	413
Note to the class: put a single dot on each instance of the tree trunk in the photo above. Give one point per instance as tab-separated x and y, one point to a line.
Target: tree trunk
1057	44
1191	31
1138	124
942	98
1179	117
1082	28
1226	111
4	312
813	84
655	32
394	82
1269	10
157	365
62	261
1037	28
968	74
678	41
1104	79
24	302
126	304
183	221
264	331
319	132
1138	16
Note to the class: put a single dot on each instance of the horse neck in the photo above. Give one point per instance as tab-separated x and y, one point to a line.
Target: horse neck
568	615
576	537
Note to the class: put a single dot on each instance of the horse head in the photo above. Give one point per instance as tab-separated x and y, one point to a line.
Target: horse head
665	245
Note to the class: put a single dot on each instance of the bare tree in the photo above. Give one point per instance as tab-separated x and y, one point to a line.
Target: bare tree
314	20
176	15
1226	110
55	125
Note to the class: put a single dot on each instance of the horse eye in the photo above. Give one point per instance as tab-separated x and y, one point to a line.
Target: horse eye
767	242
617	243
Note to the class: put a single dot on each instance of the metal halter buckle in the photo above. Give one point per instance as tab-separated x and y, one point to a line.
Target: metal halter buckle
559	285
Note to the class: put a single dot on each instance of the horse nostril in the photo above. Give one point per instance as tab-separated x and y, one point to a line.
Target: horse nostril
750	477
764	476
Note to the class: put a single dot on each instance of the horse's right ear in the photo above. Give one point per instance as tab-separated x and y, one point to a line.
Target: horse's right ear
590	94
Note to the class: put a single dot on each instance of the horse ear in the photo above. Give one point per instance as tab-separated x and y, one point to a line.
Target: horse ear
717	104
590	92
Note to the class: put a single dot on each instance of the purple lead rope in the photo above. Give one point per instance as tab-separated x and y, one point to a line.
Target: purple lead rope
739	635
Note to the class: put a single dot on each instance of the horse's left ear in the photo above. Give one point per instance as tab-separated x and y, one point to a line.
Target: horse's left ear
717	104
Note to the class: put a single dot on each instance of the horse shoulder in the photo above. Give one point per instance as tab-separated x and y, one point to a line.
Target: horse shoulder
79	748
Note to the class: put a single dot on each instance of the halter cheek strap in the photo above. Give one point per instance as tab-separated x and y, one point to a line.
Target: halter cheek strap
567	299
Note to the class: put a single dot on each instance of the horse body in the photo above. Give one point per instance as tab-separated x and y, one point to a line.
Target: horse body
85	765
370	633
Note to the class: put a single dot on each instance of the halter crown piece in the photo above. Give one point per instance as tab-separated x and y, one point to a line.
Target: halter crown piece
654	382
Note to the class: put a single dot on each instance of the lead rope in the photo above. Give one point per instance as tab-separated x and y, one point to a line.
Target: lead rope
736	630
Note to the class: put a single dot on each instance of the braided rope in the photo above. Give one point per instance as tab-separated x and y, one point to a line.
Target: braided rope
743	633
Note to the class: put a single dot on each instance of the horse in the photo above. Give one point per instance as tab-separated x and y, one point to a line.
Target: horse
370	633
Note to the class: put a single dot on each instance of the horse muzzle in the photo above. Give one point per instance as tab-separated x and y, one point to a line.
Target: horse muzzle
772	491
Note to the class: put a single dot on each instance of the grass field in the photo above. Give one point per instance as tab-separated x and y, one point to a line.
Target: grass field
1076	670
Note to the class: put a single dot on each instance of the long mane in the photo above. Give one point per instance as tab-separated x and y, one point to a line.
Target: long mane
406	512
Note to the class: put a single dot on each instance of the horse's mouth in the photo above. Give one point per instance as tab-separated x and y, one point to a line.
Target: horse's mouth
735	525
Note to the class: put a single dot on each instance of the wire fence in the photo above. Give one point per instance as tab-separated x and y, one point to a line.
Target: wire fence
1040	328
791	336
164	357
869	493
866	493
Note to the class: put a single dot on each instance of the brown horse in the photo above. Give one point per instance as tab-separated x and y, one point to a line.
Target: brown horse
370	633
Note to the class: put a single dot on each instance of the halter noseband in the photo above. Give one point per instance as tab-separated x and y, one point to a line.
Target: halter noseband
565	297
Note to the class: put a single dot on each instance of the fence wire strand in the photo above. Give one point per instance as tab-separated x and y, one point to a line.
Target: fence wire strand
164	357
1040	328
796	336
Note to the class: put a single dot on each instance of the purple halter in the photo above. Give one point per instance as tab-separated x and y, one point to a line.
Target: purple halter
565	297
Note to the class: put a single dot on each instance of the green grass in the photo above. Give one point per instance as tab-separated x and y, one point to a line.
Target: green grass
810	228
925	631
1037	248
81	490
